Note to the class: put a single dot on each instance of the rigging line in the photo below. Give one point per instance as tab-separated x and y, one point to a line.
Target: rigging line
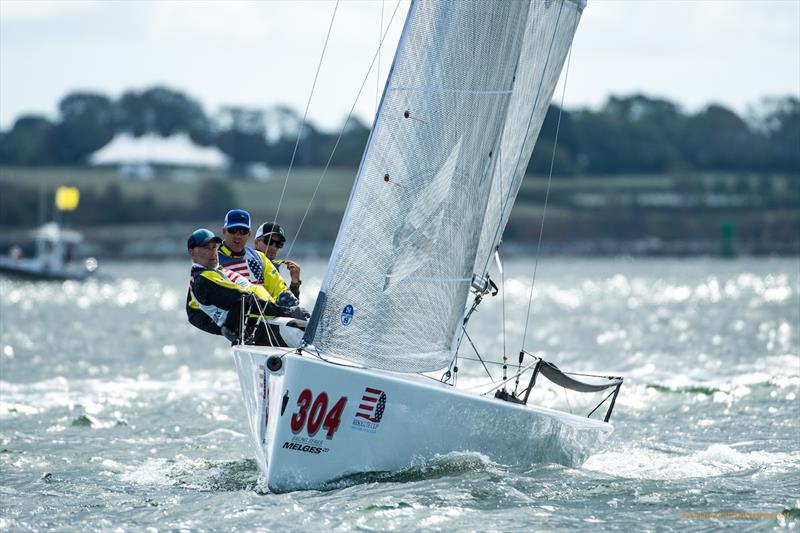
478	354
599	404
284	350
305	114
465	358
420	374
378	71
498	385
502	273
263	321
590	375
547	195
341	132
348	364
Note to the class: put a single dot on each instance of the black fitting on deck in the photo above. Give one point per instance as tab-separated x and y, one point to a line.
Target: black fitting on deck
274	363
507	397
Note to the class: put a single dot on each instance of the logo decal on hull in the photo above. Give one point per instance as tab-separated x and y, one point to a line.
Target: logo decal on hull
369	412
303	447
347	315
305	444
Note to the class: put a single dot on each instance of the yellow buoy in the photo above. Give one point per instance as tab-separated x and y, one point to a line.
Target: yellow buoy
67	198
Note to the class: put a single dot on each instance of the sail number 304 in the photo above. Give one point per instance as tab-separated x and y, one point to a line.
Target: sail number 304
313	413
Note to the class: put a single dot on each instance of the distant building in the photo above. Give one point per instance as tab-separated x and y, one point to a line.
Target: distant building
144	157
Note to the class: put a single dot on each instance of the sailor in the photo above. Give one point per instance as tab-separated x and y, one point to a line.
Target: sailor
269	239
235	255
215	298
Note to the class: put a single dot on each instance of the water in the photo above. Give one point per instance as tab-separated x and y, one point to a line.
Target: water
115	412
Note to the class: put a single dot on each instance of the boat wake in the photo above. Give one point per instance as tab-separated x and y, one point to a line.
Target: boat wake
451	464
243	475
716	460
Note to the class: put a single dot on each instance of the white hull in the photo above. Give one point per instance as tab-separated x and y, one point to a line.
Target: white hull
387	422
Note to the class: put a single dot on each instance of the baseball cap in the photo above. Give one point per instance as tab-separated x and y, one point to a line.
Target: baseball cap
201	237
269	227
237	218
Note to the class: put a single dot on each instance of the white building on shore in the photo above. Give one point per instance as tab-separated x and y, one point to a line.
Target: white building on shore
149	156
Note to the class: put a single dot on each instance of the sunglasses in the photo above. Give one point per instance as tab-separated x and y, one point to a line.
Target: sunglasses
239	231
274	242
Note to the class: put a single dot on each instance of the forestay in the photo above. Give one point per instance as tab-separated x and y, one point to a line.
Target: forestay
460	113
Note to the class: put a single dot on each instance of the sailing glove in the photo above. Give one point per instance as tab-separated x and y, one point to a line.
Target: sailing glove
299	313
258	306
287	299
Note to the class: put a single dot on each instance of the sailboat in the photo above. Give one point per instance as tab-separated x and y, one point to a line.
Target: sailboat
465	98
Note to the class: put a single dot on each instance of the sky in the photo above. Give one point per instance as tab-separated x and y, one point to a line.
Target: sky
264	53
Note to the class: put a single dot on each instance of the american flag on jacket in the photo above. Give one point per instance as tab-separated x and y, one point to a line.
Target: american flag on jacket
373	403
246	266
238	279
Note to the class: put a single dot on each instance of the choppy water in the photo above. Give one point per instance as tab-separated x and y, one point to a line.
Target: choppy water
114	412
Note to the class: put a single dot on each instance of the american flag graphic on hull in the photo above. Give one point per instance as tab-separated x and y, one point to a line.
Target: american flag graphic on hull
372	406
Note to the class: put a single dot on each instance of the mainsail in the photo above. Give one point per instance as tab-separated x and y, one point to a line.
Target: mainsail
460	113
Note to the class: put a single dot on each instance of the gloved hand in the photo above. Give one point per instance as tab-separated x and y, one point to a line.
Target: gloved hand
299	313
287	299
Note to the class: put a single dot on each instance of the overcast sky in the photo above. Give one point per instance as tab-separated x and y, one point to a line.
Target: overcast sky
262	53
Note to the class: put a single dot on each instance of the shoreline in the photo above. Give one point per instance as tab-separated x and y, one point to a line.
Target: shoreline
120	244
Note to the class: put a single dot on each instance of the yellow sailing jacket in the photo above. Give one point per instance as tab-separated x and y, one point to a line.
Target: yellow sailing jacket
255	267
215	293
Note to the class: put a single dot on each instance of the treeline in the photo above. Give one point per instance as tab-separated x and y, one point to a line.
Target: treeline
112	205
639	134
631	134
88	121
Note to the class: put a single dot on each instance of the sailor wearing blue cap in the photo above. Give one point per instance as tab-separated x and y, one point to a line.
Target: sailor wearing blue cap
235	255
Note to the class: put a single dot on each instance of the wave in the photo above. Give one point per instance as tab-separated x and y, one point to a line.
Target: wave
441	466
94	396
195	474
716	460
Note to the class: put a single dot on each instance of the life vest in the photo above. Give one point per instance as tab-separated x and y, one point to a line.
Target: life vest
227	285
255	267
249	263
217	314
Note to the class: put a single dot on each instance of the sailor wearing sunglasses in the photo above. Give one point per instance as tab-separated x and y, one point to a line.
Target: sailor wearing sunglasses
270	238
236	256
217	297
